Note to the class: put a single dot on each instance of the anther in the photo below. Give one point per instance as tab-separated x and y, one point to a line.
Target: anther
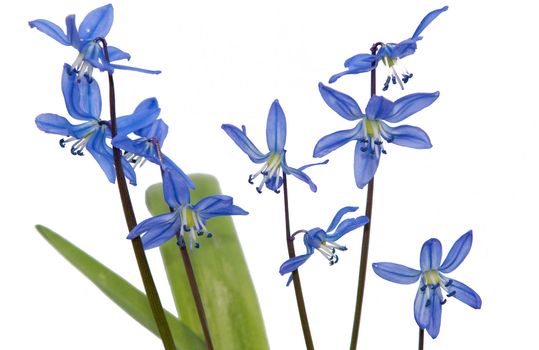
186	228
197	245
180	242
363	149
423	288
452	294
450	282
74	151
394	79
443	301
200	233
427	304
259	190
250	179
209	235
62	143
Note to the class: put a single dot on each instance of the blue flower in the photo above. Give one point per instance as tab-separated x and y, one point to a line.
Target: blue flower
275	159
429	299
372	128
324	241
148	145
390	54
95	25
83	102
184	218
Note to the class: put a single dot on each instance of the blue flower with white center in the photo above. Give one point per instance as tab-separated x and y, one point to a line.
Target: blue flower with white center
148	145
83	101
275	159
95	26
432	281
390	54
324	241
372	128
184	217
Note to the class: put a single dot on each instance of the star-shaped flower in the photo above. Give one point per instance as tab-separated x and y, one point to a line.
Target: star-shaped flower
324	241
83	102
96	25
390	54
275	159
372	128
185	218
148	145
429	299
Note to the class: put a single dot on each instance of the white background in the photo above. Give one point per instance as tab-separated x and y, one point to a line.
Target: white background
225	62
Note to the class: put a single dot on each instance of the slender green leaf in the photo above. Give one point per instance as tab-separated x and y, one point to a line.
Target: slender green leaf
228	293
125	295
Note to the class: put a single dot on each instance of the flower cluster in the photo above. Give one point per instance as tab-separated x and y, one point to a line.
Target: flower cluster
83	102
120	145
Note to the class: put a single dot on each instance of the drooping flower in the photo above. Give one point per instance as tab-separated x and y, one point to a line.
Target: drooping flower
429	299
324	241
390	54
148	146
83	101
275	159
184	218
96	25
372	128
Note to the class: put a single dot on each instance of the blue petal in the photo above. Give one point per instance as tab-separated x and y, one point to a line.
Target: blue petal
421	311
331	142
175	190
403	49
458	253
410	104
276	128
407	136
129	171
293	264
217	205
140	118
54	124
365	164
102	153
297	173
357	64
427	19
51	29
396	273
347	226
156	230
339	215
177	171
435	310
243	142
344	105
72	32
465	294
115	54
97	23
431	255
82	96
378	107
364	60
110	67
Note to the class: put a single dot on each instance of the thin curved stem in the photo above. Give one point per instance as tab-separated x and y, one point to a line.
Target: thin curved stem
295	273
140	255
366	236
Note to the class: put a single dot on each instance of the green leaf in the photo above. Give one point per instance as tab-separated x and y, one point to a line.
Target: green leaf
125	295
228	293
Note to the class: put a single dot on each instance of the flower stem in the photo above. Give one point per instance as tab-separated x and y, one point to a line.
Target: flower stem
142	262
190	273
421	338
196	295
366	236
295	274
